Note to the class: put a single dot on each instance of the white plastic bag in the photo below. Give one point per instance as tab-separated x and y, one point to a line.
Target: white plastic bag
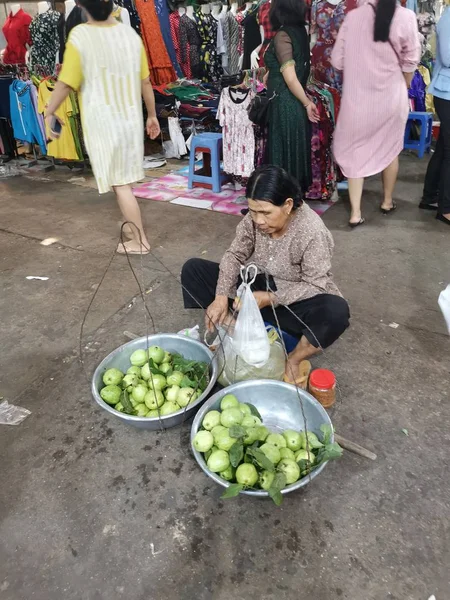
444	305
250	339
192	332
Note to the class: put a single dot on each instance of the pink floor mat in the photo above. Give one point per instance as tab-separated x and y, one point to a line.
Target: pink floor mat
173	188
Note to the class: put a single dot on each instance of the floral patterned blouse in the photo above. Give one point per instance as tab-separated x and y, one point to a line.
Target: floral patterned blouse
45	38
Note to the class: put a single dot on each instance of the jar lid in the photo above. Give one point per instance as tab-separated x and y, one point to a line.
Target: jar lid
322	379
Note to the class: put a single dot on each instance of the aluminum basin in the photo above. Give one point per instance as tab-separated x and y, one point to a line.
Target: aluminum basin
120	359
280	409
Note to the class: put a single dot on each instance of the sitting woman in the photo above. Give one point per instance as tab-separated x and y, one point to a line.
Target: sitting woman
292	248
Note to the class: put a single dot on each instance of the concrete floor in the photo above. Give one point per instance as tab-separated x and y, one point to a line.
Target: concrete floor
91	509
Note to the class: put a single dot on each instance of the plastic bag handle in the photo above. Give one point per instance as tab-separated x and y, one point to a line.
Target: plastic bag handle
245	274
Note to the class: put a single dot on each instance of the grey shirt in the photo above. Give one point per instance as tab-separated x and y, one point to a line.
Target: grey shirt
299	261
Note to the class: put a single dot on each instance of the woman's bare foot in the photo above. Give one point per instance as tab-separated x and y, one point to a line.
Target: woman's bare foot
132	247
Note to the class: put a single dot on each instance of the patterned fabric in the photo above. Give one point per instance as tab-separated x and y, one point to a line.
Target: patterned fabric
209	57
233	43
238	135
135	21
190	43
269	34
239	19
289	141
299	262
161	69
45	39
163	17
174	20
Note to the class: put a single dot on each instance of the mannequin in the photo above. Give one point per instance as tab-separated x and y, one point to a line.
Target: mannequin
248	6
181	10
216	10
234	8
190	12
258	53
17	35
224	9
254	58
15	9
205	8
69	6
43	7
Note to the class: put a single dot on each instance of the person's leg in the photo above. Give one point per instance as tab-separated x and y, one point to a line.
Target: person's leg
199	280
317	321
389	177
443	111
432	178
355	190
131	212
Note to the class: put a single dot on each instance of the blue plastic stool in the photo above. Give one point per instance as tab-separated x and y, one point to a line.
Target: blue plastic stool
423	144
289	340
212	143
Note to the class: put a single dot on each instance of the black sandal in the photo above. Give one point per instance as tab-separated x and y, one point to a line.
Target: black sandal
387	211
360	222
428	205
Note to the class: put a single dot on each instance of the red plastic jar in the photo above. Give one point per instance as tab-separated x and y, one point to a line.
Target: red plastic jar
322	385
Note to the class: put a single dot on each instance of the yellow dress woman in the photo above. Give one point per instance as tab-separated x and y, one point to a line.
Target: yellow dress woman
106	63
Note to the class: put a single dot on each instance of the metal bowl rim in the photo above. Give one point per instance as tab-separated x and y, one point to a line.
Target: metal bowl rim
229	390
134	418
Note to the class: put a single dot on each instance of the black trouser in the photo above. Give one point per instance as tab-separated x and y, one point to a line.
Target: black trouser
326	315
437	180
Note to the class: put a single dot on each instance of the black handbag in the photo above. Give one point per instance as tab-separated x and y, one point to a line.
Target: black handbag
258	111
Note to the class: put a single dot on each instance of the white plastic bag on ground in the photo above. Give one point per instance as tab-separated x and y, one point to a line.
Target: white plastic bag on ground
11	414
250	339
191	332
444	305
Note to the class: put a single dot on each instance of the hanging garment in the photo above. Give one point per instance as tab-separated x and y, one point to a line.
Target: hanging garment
326	20
209	57
17	34
238	133
417	91
107	65
76	17
233	42
7	135
222	40
176	137
64	147
289	141
161	68
61	37
252	37
5	103
269	34
190	44
174	21
45	39
23	115
163	18
121	14
135	21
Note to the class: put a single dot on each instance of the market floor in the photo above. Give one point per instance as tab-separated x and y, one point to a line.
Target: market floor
92	510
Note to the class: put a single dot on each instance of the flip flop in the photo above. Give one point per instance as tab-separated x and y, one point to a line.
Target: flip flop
122	250
387	211
360	222
428	205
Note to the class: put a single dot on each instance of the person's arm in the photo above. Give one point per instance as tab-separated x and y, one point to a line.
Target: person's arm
338	52
314	261
284	53
410	48
443	40
152	125
237	254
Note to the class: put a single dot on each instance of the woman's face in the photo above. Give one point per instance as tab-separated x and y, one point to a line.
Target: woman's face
269	218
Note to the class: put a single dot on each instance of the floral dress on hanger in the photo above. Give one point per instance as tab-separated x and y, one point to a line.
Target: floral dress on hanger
45	37
209	56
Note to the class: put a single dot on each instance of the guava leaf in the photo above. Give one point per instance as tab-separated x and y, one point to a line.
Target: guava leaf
303	464
236	431
327	430
236	453
261	459
186	382
254	410
127	406
278	483
233	490
207	455
329	452
154	368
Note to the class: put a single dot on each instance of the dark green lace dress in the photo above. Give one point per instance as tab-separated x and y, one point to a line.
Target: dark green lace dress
289	142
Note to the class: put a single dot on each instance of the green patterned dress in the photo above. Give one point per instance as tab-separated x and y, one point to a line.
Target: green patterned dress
289	142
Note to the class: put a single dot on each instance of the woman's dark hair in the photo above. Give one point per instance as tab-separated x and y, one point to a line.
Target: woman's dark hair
98	9
273	184
384	13
287	12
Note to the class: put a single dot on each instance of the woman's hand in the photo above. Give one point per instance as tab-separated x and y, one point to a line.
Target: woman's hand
216	313
152	127
263	299
50	119
313	113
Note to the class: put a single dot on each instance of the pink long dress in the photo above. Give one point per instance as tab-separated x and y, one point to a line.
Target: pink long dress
374	110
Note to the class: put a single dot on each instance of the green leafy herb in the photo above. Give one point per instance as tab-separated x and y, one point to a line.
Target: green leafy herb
233	490
154	368
261	459
207	454
405	431
186	382
327	431
328	452
236	453
127	406
236	431
254	410
279	482
196	373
